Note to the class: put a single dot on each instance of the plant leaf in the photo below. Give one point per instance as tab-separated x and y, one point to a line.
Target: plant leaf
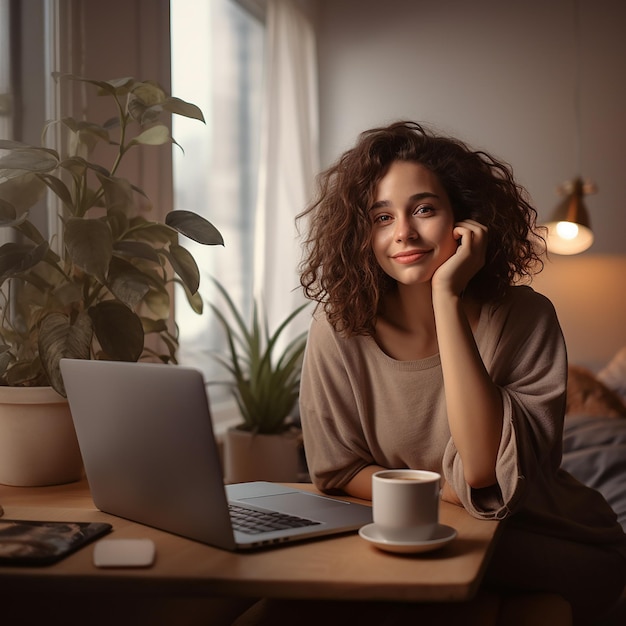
195	302
135	250
145	103
148	92
22	160
5	359
118	330
180	107
117	86
8	144
246	338
185	266
76	166
158	301
194	299
59	338
118	194
29	231
154	136
22	191
59	188
152	232
126	282
8	214
151	325
89	245
195	227
81	126
16	258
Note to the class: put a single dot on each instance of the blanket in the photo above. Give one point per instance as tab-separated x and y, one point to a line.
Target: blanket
594	452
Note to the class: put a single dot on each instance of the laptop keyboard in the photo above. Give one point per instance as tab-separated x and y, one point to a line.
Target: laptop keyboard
254	522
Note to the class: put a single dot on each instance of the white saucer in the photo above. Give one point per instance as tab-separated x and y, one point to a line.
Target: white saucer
442	536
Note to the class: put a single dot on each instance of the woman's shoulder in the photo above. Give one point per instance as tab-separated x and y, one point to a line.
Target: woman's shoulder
523	298
523	308
329	345
322	329
324	334
522	326
320	322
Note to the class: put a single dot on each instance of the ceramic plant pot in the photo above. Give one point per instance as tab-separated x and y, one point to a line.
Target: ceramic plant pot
275	458
38	444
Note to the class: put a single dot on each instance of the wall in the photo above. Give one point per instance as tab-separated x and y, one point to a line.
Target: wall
503	77
588	292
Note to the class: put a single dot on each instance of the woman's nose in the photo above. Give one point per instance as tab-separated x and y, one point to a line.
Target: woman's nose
405	230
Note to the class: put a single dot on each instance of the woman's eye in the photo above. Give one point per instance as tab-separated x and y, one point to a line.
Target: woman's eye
423	209
381	219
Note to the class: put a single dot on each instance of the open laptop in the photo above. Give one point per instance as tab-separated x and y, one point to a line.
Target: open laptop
147	442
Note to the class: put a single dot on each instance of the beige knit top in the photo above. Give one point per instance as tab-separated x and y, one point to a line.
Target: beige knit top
361	407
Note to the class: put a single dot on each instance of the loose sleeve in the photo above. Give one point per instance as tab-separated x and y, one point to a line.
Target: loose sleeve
524	352
336	449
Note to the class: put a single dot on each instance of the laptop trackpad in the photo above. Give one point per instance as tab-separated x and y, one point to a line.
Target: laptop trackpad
300	504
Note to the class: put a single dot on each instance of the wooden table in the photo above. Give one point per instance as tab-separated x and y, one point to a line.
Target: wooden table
342	567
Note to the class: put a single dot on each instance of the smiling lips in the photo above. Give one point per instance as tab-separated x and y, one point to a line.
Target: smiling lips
409	256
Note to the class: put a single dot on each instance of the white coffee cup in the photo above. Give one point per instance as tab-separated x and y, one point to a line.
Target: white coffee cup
406	504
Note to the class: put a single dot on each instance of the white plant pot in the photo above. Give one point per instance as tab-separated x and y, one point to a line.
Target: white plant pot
38	444
249	456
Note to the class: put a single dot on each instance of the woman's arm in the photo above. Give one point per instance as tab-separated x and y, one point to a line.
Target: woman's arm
360	486
336	447
474	403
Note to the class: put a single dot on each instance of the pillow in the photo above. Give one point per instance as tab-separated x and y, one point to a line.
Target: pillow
614	374
586	395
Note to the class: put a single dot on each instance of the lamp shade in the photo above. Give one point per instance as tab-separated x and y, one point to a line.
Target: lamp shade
569	228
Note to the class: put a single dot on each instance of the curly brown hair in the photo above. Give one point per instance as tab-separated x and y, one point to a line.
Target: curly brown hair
339	269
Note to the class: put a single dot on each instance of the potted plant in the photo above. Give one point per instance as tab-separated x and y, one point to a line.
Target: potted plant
267	444
106	293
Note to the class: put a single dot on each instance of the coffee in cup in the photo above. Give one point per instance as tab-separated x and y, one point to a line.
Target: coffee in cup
406	504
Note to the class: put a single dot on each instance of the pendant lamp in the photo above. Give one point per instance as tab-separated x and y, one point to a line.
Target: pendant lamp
569	228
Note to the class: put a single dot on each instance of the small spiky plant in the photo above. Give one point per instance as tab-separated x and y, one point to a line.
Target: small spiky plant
265	386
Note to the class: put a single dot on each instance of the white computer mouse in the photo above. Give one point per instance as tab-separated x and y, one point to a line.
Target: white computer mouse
124	553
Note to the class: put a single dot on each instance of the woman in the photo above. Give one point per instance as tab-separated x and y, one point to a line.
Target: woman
426	352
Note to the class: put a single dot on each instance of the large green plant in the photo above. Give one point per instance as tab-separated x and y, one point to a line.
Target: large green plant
109	287
265	385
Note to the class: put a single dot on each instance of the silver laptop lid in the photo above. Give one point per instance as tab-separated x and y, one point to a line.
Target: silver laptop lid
147	443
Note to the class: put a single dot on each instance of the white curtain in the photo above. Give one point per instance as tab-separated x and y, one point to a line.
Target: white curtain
289	159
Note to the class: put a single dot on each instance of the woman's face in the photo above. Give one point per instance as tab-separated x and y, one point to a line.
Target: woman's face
412	223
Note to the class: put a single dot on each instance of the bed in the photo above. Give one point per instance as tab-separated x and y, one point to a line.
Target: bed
594	441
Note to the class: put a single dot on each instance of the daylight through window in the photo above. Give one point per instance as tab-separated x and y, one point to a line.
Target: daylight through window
217	57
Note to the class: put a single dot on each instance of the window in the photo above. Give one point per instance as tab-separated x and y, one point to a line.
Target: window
217	56
5	70
6	97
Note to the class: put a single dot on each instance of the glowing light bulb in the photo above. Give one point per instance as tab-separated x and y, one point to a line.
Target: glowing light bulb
567	230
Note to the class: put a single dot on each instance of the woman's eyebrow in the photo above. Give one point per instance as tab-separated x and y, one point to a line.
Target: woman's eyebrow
380	204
